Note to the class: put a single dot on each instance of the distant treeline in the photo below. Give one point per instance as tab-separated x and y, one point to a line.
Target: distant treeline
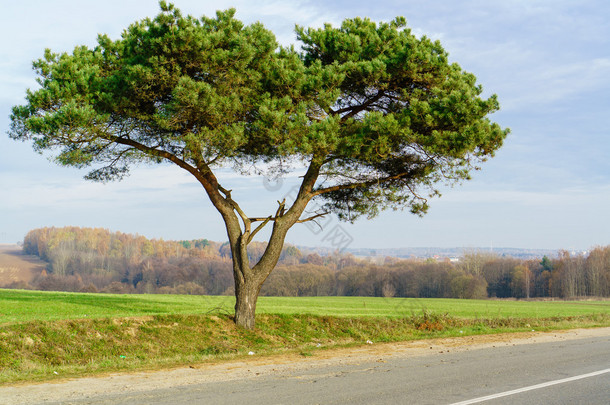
97	260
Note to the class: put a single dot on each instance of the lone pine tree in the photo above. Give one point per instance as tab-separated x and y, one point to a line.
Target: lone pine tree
376	116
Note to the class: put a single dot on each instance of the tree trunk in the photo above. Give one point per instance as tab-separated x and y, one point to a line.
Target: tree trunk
248	281
246	294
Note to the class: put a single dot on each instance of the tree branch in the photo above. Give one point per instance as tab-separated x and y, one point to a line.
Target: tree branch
359	184
300	221
258	228
258	219
242	215
353	110
281	209
204	175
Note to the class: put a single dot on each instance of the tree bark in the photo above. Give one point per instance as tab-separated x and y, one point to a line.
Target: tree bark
246	295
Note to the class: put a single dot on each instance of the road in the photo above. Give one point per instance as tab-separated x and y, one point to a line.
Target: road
576	370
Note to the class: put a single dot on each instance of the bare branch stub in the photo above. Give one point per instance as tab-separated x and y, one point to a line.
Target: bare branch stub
300	221
258	228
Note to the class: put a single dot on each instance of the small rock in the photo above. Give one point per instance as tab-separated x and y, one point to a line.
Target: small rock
250	353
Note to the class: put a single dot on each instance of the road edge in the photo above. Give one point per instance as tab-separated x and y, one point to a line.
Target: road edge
86	387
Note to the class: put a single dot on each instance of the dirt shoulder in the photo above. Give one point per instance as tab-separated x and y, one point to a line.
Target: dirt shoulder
253	367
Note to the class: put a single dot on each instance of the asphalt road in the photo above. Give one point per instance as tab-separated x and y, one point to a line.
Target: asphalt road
438	378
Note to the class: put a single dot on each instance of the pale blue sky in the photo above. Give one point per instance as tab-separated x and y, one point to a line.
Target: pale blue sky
548	187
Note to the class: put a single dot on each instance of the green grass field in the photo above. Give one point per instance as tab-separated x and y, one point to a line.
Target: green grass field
18	306
50	335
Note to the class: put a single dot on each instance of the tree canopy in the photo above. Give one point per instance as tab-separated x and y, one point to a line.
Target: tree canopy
377	116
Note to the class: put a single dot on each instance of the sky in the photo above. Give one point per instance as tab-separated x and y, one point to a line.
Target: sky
548	187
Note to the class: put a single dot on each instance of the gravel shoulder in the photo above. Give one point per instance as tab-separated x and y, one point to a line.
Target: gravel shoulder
255	367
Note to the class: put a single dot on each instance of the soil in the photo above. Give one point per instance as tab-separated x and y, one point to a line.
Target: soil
254	367
16	267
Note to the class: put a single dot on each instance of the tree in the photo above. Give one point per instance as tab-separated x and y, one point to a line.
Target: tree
520	284
597	270
376	116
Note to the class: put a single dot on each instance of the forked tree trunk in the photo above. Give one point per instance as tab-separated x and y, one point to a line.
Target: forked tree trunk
249	280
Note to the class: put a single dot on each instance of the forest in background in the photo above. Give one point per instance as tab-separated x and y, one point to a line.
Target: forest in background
98	260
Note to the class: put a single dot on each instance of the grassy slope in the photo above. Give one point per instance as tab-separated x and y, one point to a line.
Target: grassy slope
53	335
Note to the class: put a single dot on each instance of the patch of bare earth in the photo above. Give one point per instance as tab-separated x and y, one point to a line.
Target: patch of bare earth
16	267
253	367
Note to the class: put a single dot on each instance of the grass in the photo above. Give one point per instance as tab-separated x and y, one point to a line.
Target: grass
401	307
48	335
22	306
